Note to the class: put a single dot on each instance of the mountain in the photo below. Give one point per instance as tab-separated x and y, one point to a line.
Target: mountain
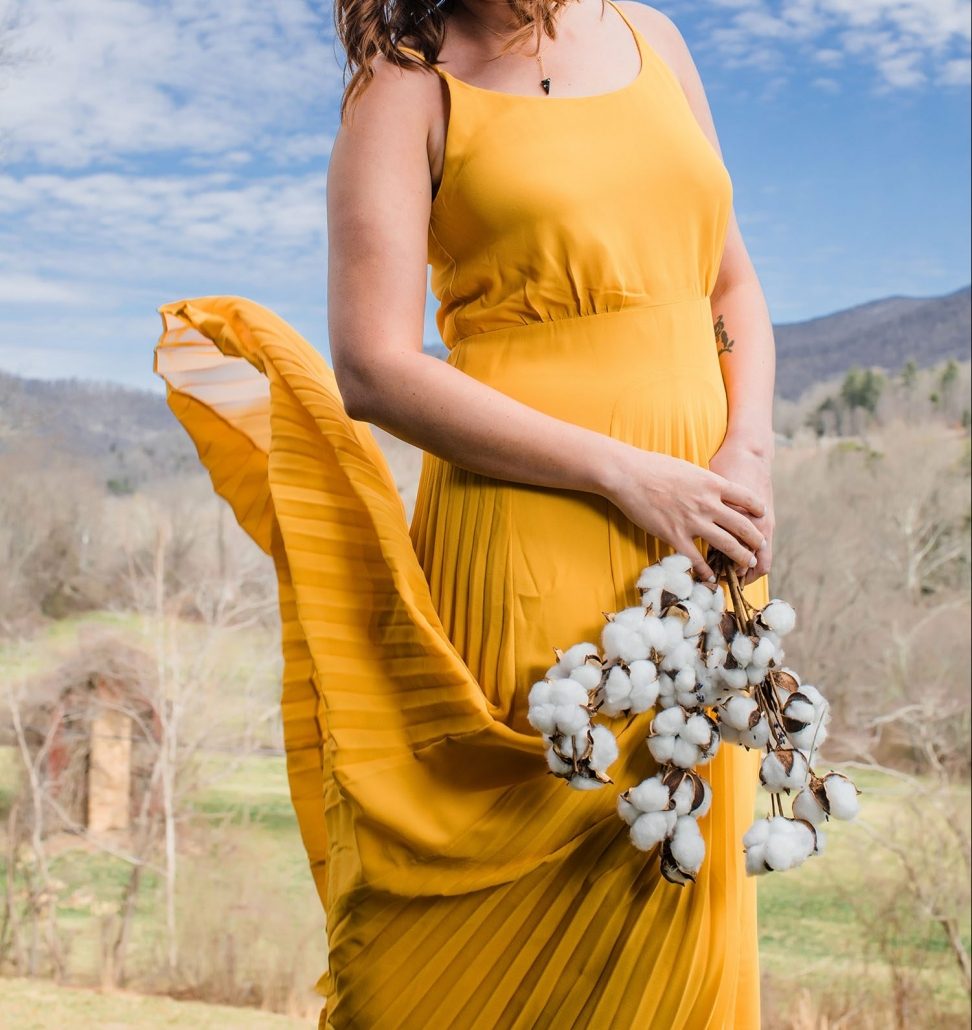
882	334
133	437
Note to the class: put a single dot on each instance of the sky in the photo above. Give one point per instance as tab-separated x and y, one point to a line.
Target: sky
151	152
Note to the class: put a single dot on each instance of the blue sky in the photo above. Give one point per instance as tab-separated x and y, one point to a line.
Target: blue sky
150	152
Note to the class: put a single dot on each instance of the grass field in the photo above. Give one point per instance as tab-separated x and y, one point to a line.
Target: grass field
252	933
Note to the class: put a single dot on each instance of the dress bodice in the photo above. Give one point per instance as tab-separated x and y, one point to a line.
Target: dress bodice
557	207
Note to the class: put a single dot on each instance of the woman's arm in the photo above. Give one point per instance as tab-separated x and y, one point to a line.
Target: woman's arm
379	196
747	352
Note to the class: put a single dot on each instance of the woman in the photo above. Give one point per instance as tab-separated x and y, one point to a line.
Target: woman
606	400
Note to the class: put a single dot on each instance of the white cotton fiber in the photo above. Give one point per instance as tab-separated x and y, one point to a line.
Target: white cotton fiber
588	676
543	718
698	730
584	783
842	795
650	795
688	846
670	721
806	806
628	812
571	718
778	616
651	828
676	562
662	747
540	693
568	692
605	750
685	754
620	641
556	764
577	655
758	833
652	578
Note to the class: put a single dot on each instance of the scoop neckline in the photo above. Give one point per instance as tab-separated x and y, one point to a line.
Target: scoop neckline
642	72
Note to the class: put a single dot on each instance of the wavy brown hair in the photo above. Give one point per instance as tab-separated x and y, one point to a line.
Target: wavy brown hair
367	28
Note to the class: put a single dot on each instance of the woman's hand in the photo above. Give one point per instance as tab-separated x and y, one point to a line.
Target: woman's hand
679	502
752	467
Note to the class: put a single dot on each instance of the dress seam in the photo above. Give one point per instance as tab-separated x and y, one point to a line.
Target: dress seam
625	308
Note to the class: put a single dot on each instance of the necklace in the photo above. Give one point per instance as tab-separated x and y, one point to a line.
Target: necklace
544	78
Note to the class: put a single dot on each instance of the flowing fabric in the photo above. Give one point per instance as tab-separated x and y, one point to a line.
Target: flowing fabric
574	245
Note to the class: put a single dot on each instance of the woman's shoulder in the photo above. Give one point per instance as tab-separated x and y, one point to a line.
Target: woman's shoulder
661	34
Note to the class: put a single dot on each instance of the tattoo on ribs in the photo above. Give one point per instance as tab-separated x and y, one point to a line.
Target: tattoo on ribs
722	337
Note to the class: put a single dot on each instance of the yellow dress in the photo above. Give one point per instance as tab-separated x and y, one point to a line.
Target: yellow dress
574	245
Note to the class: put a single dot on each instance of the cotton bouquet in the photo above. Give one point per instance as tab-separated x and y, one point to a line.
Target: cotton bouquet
713	677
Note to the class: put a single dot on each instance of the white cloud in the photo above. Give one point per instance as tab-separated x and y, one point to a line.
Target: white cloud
113	78
907	42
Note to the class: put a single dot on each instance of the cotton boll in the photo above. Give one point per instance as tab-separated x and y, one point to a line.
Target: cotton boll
758	833
685	679
806	806
765	652
715	658
684	796
588	676
642	698
650	829
621	641
688	846
705	804
821	842
662	748
755	674
631	617
578	655
738	711
781	852
654	633
540	693
741	648
778	616
730	734
666	691
692	616
697	730
757	736
703	597
670	721
605	750
756	860
642	673
783	769
735	679
714	640
557	764
650	795
568	692
628	812
571	718
685	754
680	584
798	712
652	578
841	795
543	718
676	563
580	782
617	686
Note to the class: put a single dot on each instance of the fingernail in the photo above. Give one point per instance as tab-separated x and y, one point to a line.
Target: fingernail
752	561
712	579
763	544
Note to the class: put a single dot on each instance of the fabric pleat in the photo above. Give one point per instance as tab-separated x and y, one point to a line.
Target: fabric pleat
464	885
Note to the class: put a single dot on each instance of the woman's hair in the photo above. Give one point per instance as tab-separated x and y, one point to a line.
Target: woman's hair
367	28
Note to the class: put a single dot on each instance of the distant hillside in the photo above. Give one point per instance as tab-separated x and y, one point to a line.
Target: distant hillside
134	438
883	333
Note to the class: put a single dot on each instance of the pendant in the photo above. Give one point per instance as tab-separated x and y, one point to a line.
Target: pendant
546	86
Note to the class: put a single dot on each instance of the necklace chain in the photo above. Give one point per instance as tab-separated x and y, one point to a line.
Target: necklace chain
544	79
